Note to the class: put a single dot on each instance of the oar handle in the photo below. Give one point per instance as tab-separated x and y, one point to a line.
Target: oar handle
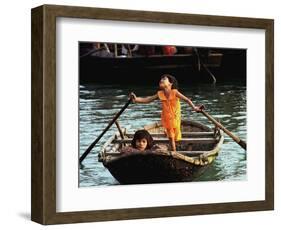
104	131
219	125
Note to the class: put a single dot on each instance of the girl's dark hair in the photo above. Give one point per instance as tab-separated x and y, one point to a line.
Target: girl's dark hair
143	134
172	80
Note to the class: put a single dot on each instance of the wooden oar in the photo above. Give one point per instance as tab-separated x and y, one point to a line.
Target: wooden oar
104	131
119	129
242	143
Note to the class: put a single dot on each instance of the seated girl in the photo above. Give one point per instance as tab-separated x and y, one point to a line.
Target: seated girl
142	141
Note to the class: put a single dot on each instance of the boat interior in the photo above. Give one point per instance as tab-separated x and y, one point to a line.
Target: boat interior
196	140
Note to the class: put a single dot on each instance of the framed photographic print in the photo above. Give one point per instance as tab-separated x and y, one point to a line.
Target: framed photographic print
139	114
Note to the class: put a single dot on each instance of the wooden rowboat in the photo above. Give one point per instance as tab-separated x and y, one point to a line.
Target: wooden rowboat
196	151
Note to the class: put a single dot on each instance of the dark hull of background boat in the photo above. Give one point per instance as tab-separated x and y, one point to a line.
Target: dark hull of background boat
149	69
151	168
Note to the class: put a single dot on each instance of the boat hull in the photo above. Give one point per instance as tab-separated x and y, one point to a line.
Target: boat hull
152	168
159	165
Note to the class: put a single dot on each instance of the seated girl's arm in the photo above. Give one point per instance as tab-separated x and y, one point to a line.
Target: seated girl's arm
181	96
143	99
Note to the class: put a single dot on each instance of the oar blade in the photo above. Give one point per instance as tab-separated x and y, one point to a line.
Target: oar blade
243	144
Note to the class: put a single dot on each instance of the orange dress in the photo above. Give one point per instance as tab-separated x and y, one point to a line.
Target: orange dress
171	114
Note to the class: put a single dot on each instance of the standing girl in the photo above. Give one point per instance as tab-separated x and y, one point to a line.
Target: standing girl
171	110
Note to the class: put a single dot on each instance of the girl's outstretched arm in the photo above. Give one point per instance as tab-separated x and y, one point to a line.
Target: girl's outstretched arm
143	99
181	96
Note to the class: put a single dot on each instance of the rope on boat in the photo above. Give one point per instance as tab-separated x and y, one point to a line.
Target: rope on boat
205	67
202	160
91	52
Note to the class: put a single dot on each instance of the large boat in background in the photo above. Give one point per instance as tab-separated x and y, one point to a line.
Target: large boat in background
117	63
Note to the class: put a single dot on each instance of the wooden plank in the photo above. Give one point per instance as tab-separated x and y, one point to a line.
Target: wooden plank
165	140
187	153
187	134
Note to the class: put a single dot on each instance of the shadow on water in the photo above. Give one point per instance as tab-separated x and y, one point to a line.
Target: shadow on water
99	103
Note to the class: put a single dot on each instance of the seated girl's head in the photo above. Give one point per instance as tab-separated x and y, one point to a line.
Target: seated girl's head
168	80
142	140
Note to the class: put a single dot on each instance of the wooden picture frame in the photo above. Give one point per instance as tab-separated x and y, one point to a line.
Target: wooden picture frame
43	188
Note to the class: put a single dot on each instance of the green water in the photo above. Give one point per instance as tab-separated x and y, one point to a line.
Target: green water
99	104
